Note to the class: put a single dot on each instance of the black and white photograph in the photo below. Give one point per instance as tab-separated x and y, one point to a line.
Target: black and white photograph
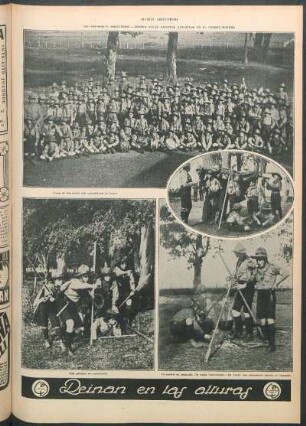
88	284
4	278
230	193
125	109
224	305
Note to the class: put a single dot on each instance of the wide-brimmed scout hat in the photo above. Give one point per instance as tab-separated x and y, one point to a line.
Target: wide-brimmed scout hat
82	270
260	252
239	248
278	175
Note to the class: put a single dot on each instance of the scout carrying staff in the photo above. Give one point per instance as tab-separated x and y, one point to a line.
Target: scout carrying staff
105	304
45	311
126	287
244	281
69	313
185	192
265	278
274	184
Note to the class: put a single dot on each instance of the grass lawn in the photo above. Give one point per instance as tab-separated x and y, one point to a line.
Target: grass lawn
229	357
119	170
125	353
195	220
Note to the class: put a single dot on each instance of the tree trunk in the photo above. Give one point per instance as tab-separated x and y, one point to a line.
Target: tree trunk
61	264
266	45
136	251
111	54
197	264
146	252
171	56
258	40
34	283
197	270
246	49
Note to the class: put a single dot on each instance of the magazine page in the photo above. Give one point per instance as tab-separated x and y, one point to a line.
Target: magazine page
5	197
157	214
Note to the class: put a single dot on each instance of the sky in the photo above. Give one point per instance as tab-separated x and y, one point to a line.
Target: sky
174	273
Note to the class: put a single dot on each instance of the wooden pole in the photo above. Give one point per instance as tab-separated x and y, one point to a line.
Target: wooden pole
93	294
224	201
208	353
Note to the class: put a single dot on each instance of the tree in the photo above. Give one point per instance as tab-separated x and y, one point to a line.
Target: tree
180	242
246	48
111	54
262	44
63	232
111	51
266	44
172	56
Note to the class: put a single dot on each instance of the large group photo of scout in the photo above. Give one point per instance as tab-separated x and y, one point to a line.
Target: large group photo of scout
230	193
88	284
145	102
228	305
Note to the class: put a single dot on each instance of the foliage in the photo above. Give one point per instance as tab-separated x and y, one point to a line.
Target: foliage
285	239
68	228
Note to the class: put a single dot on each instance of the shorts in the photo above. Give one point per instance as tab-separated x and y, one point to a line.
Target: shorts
266	301
70	312
248	294
276	202
47	311
253	205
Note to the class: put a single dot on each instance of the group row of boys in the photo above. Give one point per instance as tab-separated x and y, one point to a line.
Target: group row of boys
147	115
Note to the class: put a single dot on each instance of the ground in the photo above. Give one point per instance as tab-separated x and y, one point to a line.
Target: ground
129	170
42	67
124	353
229	357
195	216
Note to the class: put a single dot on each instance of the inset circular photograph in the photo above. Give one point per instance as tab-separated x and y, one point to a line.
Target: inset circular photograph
230	193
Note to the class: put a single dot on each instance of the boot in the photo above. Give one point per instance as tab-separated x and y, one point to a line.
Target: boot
46	338
124	326
63	346
68	341
237	328
249	330
271	331
264	332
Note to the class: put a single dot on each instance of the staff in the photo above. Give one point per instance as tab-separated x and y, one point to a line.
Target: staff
243	299
93	291
224	201
208	353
